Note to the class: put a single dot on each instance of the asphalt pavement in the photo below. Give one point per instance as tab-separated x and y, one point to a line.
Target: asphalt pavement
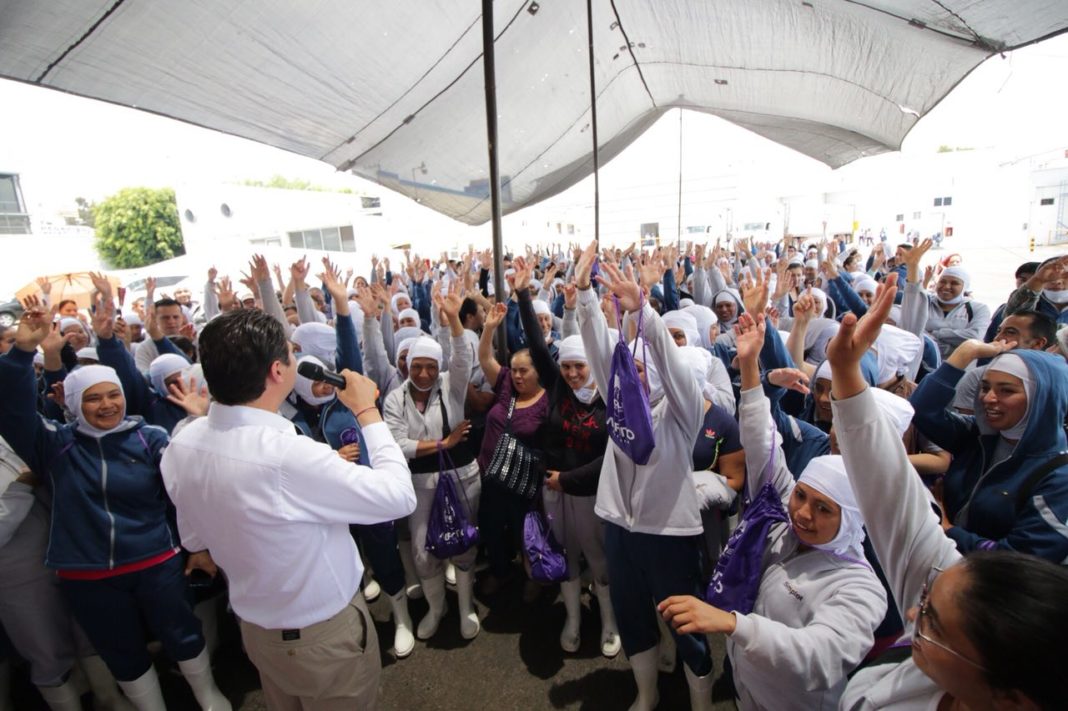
515	663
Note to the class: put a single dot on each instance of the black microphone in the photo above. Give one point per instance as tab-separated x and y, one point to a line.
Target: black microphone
313	371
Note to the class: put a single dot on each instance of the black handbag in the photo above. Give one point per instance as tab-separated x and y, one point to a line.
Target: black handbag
514	465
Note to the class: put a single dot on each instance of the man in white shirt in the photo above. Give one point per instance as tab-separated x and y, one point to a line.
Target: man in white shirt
274	509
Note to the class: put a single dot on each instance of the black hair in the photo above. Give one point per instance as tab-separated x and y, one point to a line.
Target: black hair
1042	325
166	301
905	246
237	351
65	302
1014	614
185	346
468	308
1026	268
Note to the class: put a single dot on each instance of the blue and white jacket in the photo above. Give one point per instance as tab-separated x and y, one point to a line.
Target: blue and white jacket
980	494
109	507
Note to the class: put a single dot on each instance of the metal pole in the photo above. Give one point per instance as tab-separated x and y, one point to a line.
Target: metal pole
679	236
593	125
489	71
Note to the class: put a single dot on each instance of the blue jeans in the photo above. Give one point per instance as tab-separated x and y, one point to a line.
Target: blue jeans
111	610
643	570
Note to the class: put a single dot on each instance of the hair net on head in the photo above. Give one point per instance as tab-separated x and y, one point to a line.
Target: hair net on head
639	349
895	350
408	313
74	387
958	273
316	339
397	298
164	366
303	386
425	347
896	408
827	475
686	323
541	308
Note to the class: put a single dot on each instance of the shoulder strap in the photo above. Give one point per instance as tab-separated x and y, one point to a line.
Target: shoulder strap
969	309
445	429
1036	478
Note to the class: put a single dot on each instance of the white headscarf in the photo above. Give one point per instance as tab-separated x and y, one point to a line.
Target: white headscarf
686	323
541	308
895	350
396	298
700	362
896	408
957	273
652	376
865	283
403	347
1014	365
572	350
163	367
303	386
87	353
705	318
408	313
316	339
74	387
425	348
827	475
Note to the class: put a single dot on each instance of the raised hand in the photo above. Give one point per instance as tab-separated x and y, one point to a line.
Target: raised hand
104	317
34	326
44	285
789	378
622	286
805	306
570	296
367	301
750	337
298	273
212	274
650	272
1050	271
755	292
451	302
830	267
584	265
912	259
150	291
226	294
521	279
337	290
495	316
855	338
193	399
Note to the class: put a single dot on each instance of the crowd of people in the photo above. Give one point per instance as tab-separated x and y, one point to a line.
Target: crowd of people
832	456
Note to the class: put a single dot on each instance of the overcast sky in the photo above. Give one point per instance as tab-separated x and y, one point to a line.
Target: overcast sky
65	146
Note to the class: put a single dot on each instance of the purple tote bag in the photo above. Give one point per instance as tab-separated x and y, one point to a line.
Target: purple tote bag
736	579
449	531
629	418
548	560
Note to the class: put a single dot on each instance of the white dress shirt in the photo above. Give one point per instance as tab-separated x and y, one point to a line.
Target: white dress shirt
274	508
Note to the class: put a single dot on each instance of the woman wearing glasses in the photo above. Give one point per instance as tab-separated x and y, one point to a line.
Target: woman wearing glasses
987	629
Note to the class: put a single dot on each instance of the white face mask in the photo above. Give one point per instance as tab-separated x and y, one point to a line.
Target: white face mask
1057	297
954	301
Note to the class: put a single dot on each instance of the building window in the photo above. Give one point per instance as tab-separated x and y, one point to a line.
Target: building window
1045	201
331	239
900	217
938	202
266	242
369	202
13	217
916	215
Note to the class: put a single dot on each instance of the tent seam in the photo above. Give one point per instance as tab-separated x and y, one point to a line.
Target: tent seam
630	50
79	41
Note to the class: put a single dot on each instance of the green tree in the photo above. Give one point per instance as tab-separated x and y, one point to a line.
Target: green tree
138	226
85	211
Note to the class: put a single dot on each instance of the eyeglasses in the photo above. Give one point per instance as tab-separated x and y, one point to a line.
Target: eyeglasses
921	630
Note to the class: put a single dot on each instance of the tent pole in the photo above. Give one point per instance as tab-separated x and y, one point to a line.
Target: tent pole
593	122
678	236
489	71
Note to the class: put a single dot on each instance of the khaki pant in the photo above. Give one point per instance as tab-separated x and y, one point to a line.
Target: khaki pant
334	664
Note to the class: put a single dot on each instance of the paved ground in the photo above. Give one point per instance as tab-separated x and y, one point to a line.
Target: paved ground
515	663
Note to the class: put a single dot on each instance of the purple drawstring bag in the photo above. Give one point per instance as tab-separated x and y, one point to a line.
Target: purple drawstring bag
548	560
629	419
736	580
449	531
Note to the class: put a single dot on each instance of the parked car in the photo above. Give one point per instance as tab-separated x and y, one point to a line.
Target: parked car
10	313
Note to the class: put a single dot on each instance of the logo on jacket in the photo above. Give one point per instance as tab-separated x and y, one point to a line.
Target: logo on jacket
793	591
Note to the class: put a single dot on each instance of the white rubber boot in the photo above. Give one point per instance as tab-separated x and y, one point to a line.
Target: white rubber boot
434	589
666	647
144	693
412	587
645	676
403	639
64	697
465	586
197	671
106	694
610	642
700	690
571	591
450	574
207	612
371	588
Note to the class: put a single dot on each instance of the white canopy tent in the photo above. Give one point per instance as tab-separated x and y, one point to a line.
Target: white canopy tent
394	91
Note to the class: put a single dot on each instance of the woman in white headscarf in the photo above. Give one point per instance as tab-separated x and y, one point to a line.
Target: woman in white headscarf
652	518
425	415
952	316
817	601
573	439
111	543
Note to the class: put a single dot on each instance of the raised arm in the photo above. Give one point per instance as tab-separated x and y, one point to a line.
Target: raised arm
490	367
547	368
348	346
20	424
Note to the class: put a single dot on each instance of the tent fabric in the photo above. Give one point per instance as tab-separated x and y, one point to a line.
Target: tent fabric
394	91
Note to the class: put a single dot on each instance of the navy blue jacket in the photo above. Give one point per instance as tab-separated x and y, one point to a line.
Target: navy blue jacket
109	506
141	398
980	497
